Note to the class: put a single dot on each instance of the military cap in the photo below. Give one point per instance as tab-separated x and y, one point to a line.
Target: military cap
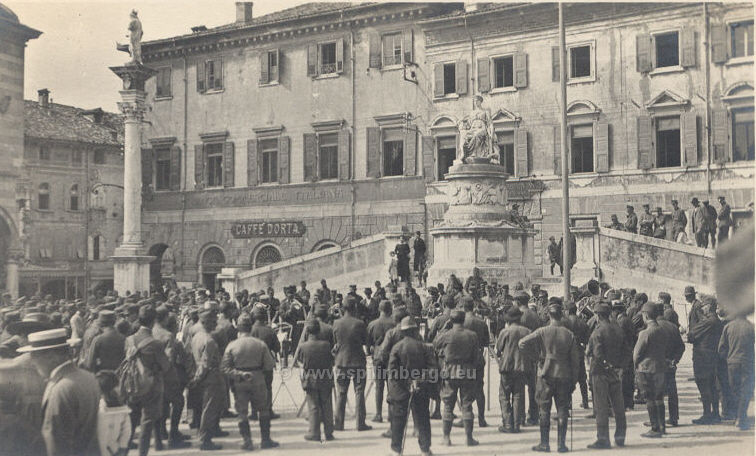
312	325
649	308
408	323
385	305
207	314
721	198
556	300
107	317
432	290
147	312
664	296
244	324
259	311
457	316
694	200
555	307
705	201
448	301
603	309
674	202
513	314
708	300
629	206
353	286
211	305
689	290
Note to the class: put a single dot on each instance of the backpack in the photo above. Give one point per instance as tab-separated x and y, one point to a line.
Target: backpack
135	380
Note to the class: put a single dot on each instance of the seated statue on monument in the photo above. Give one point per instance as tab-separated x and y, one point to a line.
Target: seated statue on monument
476	131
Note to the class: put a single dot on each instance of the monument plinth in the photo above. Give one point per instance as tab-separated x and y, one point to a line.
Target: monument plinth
131	264
479	229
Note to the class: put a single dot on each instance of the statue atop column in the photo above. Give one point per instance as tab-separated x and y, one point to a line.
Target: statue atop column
477	136
134	48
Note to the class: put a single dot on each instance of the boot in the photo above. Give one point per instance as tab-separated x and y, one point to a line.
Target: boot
159	434
715	418
653	415
265	441
468	424
436	411
447	426
482	419
562	435
660	410
544	445
209	445
706	417
246	436
144	439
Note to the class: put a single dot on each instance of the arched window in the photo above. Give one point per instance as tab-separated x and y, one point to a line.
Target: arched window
266	255
43	201
97	248
212	261
74	198
324	245
443	147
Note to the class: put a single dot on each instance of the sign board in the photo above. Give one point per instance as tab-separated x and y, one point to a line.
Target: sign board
261	228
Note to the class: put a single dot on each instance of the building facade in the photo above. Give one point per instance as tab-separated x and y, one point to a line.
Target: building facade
13	38
277	136
72	182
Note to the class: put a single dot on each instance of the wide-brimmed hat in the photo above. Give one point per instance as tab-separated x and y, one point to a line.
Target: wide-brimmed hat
31	323
46	340
408	323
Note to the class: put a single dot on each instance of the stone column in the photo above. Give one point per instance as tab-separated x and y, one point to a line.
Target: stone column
131	264
11	272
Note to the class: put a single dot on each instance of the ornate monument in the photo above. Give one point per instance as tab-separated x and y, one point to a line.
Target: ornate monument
479	228
130	261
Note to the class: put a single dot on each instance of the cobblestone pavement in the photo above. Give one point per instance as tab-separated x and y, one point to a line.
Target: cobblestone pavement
720	440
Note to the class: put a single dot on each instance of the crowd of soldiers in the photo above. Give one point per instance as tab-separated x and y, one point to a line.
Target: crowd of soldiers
64	380
708	225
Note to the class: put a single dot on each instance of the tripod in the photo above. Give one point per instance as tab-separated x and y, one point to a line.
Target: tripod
284	334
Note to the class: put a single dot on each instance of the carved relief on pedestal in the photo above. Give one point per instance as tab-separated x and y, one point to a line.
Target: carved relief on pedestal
477	193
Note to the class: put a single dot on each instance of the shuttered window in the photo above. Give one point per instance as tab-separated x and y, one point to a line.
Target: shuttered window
162	169
328	156
667	49
269	160
503	72
506	142
270	66
581	148
580	62
214	164
447	152
210	75
450	79
163	82
742	134
668	142
391	44
393	152
741	39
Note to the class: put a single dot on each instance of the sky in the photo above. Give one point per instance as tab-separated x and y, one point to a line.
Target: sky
72	56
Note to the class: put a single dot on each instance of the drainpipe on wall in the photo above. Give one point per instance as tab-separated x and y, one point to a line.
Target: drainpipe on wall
707	78
353	139
183	188
86	223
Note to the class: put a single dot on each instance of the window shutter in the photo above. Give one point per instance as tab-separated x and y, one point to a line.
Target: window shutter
645	142
312	60
557	150
375	50
719	43
373	135
601	133
310	141
521	151
520	62
201	76
719	135
429	155
147	165
689	125
199	166
340	55
264	66
643	53
228	164
460	71
555	63
277	71
484	77
688	47
218	74
283	160
438	80
175	177
252	173
410	151
408	45
343	152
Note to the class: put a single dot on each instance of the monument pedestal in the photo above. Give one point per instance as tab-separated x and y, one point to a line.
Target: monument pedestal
131	271
479	231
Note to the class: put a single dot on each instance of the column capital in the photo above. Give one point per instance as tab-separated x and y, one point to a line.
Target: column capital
133	75
132	110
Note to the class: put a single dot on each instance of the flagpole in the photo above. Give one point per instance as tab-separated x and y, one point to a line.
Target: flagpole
566	238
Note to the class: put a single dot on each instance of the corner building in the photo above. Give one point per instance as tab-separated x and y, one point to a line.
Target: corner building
276	136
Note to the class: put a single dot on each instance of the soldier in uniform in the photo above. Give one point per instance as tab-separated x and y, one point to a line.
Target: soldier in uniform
410	356
580	330
646	222
710	214
512	366
650	368
679	221
557	374
555	254
304	295
629	336
724	220
209	378
674	351
447	304
460	351
736	346
705	335
631	223
245	362
350	334
531	321
660	224
480	329
698	224
265	333
615	224
605	353
291	312
107	349
316	359
376	331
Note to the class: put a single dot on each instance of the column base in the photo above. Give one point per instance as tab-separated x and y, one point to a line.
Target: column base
131	271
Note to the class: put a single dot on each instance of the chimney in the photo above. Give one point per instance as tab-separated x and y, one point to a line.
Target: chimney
243	12
44	97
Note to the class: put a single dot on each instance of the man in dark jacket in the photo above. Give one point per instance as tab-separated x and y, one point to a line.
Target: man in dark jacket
736	346
557	374
376	331
149	406
512	366
402	251
724	220
605	351
650	368
209	378
705	335
107	349
411	367
710	215
459	348
418	248
317	382
350	334
479	327
629	336
679	220
531	321
631	224
175	378
674	351
265	333
580	330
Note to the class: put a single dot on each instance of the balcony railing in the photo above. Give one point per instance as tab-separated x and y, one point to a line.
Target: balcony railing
328	68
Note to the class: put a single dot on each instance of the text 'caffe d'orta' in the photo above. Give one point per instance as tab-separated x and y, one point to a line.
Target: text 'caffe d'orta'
250	229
